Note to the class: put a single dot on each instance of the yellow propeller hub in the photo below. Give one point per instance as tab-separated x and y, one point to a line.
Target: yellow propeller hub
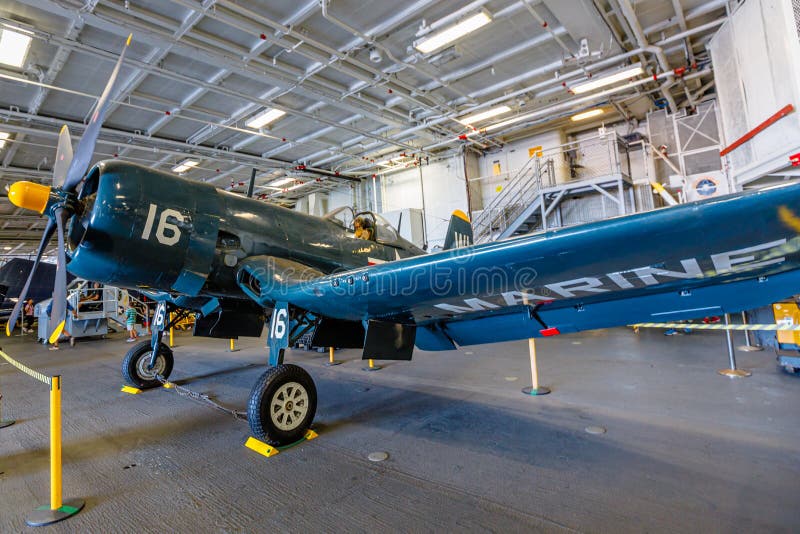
29	195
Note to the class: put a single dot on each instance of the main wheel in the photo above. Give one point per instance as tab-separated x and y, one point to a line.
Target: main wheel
282	405
134	366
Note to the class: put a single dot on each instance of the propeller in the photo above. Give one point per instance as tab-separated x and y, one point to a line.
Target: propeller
58	314
58	201
63	157
12	319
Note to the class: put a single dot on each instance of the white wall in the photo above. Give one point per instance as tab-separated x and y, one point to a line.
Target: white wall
445	188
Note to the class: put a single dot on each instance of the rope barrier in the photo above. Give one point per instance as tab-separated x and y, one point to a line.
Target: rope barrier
41	377
721	326
58	509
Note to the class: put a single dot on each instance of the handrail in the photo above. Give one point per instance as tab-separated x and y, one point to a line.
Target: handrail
522	190
526	181
110	302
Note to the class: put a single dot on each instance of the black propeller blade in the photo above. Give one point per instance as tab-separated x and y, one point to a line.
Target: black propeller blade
85	149
58	313
12	320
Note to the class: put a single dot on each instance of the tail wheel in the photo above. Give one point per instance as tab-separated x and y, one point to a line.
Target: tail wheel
282	405
136	362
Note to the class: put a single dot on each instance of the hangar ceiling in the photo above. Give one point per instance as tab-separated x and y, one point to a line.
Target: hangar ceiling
357	96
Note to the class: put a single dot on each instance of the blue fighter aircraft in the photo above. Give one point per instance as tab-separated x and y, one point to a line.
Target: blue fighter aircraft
236	261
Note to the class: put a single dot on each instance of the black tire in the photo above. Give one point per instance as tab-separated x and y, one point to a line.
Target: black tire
282	405
134	365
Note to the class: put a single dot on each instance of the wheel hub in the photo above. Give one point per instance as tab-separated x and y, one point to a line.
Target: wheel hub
142	366
289	406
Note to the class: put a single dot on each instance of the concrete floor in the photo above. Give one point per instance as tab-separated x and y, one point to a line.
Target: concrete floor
685	448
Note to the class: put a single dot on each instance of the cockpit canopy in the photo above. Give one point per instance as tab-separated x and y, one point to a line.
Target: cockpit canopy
384	232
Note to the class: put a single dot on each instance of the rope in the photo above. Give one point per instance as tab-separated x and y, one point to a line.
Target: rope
27	370
721	326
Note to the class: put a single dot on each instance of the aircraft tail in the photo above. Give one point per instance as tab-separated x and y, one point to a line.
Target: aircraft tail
459	231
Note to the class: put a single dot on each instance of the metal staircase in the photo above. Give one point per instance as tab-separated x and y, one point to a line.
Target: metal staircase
515	205
92	317
536	196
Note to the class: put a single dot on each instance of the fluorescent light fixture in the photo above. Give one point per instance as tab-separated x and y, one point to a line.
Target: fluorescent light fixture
3	137
630	72
185	165
6	248
587	114
262	119
301	184
448	35
13	47
483	115
282	181
513	120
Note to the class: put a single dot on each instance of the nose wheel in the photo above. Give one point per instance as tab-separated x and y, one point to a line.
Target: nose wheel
282	405
136	365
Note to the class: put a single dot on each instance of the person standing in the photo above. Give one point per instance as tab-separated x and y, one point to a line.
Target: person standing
130	323
65	331
27	325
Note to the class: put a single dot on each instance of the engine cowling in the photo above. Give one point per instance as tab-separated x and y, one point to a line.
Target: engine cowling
144	228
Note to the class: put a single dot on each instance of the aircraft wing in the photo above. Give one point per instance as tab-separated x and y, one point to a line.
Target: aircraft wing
689	261
263	278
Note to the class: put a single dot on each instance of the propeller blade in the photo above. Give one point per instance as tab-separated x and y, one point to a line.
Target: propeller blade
12	319
63	157
85	149
58	314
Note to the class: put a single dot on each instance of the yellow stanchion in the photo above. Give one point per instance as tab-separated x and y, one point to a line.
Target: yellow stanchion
331	361
535	388
372	366
171	330
55	443
231	344
58	508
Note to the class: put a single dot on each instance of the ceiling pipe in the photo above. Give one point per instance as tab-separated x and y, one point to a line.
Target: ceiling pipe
705	7
489	62
498	15
567	105
346	62
676	6
540	86
535	87
337	22
177	148
225	91
630	15
120	24
187	118
693	31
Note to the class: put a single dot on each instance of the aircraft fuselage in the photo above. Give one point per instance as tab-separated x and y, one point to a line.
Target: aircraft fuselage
147	229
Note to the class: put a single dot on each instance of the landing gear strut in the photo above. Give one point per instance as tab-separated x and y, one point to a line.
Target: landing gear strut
141	366
283	402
